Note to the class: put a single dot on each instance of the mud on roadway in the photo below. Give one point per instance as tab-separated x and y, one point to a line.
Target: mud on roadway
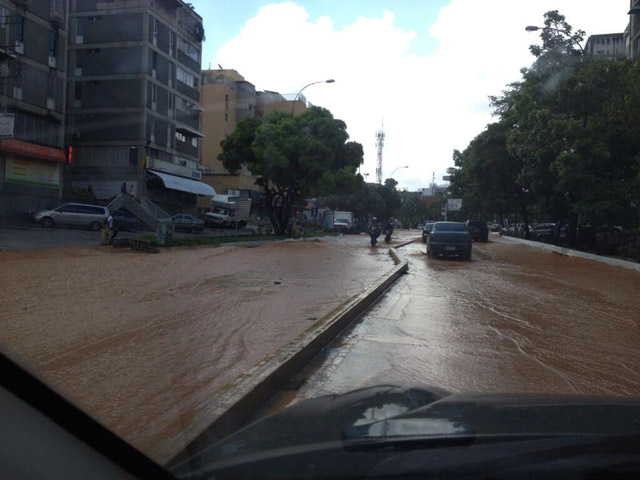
142	342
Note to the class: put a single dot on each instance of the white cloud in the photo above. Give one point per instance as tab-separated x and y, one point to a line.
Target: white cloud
430	104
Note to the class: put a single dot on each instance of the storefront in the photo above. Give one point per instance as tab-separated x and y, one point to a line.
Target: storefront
174	193
30	178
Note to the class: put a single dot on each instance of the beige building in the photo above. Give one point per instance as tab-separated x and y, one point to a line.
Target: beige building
227	98
606	45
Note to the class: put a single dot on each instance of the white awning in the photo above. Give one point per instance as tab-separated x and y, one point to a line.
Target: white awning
174	182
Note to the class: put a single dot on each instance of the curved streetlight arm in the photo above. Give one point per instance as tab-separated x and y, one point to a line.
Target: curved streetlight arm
406	166
533	28
293	104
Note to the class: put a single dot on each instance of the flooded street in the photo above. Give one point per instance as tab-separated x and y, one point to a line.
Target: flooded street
515	319
143	342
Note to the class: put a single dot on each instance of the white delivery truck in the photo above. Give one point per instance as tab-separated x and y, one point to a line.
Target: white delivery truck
338	221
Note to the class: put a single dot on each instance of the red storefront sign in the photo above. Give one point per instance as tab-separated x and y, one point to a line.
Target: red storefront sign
32	150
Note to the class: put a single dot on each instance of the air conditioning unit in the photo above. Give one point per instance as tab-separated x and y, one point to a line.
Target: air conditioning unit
52	61
19	47
51	103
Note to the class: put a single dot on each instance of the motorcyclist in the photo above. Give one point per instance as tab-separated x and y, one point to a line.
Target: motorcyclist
374	231
388	230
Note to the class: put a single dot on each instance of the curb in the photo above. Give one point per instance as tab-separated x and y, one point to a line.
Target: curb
576	253
240	398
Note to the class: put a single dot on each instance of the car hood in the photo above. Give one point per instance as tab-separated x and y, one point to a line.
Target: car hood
385	412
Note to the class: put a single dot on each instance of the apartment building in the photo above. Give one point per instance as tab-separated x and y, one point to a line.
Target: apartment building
609	45
228	98
33	41
632	32
133	100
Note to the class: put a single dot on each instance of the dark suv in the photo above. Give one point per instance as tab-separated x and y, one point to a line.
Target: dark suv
478	230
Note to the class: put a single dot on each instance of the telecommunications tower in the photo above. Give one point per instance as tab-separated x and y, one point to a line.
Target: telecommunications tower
379	145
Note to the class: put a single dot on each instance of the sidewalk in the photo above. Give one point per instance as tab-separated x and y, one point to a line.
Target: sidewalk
142	342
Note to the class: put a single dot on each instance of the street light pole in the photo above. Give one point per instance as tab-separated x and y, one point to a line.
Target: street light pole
533	28
293	105
406	166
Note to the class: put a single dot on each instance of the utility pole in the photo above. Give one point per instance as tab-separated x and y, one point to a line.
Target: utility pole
379	145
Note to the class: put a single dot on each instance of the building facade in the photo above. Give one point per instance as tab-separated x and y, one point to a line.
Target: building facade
227	99
632	32
33	40
610	45
133	100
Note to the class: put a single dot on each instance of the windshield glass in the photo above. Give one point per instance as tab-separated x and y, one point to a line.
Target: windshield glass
274	168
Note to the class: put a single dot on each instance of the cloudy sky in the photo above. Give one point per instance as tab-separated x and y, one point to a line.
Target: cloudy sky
423	67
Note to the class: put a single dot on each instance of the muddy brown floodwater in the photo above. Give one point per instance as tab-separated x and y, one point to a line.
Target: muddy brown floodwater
142	342
515	319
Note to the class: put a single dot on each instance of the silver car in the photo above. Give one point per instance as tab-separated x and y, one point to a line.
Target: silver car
92	216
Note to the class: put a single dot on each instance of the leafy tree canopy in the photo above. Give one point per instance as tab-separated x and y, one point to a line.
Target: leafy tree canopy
294	158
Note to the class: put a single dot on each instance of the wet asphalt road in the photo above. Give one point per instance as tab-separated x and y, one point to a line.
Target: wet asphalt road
515	319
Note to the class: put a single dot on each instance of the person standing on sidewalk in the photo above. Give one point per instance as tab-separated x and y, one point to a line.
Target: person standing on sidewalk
113	231
123	188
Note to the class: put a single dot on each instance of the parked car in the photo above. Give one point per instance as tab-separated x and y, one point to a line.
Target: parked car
543	232
449	239
478	230
124	220
425	231
187	223
91	216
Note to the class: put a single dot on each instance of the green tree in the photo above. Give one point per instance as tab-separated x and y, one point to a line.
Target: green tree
294	158
371	200
566	145
412	210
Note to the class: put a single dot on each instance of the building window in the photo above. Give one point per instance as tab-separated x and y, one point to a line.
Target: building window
194	142
19	28
51	83
17	79
172	42
94	18
180	137
189	50
53	43
154	95
93	51
186	78
78	62
154	63
133	156
78	91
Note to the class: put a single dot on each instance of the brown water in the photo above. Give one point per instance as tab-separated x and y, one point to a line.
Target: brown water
143	342
515	319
